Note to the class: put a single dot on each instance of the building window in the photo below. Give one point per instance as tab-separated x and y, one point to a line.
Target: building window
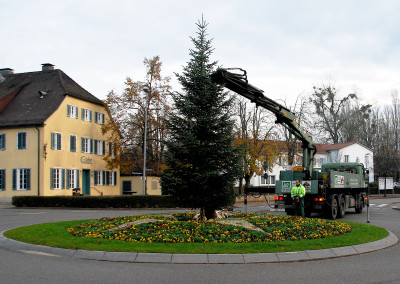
57	178
99	117
111	178
269	180
21	179
2	141
99	146
272	179
99	177
2	179
127	187
72	143
322	161
111	149
367	160
86	114
21	143
263	180
72	111
72	178
86	145
346	158
56	141
154	185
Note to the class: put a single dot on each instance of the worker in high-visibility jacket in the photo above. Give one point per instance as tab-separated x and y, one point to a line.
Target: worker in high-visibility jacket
297	194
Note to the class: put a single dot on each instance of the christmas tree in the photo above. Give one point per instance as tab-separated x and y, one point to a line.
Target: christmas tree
202	161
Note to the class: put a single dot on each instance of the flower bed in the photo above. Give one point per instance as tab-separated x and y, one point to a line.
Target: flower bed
181	228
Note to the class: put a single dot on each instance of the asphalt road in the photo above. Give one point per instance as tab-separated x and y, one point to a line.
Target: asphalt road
19	267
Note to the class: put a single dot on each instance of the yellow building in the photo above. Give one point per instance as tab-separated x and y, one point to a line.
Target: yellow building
133	185
50	137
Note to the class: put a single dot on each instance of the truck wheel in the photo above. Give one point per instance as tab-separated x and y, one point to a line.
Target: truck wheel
360	205
341	207
332	209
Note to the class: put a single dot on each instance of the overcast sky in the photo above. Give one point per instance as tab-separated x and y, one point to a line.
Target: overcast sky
286	46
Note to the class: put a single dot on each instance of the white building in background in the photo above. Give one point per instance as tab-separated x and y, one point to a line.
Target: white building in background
351	152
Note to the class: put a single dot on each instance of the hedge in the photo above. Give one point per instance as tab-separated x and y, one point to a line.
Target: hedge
140	201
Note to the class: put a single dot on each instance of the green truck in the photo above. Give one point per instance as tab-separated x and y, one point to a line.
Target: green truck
333	188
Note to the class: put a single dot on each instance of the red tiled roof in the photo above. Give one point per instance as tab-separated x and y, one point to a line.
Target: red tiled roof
324	148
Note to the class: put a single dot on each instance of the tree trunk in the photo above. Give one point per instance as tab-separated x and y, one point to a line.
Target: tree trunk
240	185
247	181
207	213
202	214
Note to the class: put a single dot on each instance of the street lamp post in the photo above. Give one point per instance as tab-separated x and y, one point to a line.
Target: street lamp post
147	91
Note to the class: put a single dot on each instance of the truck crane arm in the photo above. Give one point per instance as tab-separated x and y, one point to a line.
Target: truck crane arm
238	83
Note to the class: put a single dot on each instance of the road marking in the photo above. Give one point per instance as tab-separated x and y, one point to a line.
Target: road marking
32	213
380	205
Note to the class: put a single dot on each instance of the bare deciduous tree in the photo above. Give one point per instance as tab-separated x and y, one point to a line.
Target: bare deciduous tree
334	112
128	112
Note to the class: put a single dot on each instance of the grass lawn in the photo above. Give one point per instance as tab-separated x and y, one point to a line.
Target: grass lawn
96	235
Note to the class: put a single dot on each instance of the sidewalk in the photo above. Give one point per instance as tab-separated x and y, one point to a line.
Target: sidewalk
200	258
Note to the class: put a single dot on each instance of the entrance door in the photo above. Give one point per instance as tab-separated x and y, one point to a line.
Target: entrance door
86	182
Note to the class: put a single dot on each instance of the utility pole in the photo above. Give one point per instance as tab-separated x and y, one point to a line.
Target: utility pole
146	90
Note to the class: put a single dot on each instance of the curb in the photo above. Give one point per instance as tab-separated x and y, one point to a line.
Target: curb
135	257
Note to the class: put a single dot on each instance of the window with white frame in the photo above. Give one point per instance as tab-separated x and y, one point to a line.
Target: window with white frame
99	117
111	178
99	146
346	158
86	114
72	178
367	160
86	145
272	180
2	141
269	180
2	179
21	140
21	179
57	178
72	111
55	141
99	177
72	143
264	180
111	149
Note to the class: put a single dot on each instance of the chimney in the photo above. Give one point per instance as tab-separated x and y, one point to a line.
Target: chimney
6	71
47	67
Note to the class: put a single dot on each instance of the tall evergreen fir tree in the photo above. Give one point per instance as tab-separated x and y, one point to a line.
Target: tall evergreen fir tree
202	161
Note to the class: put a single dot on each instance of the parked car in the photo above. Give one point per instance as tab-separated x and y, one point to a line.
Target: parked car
396	185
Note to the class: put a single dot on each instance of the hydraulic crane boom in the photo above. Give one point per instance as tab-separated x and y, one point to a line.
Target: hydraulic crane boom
238	83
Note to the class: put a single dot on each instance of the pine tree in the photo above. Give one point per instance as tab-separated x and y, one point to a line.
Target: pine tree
202	161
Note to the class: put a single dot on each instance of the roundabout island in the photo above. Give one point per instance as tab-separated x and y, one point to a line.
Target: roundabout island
178	238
